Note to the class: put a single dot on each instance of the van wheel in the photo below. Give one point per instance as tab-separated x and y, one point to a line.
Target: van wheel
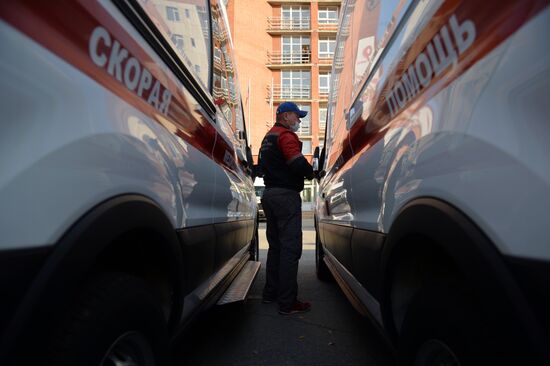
323	273
443	326
116	321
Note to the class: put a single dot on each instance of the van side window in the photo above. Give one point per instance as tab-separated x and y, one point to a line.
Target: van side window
341	80
225	84
373	35
189	35
391	13
225	88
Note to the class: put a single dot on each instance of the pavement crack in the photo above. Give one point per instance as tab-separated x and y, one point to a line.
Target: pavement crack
292	318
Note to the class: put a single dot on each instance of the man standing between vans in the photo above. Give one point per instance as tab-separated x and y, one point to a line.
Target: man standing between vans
284	169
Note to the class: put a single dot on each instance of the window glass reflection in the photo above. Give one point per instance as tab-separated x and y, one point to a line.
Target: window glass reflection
185	25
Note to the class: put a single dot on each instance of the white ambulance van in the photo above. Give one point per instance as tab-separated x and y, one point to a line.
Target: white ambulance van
126	196
433	212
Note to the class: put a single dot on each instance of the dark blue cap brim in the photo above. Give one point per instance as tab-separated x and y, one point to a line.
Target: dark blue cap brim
302	114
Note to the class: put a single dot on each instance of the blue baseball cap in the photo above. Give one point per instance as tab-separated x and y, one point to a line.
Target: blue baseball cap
291	107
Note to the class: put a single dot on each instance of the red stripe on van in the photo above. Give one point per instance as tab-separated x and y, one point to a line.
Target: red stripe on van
495	21
64	27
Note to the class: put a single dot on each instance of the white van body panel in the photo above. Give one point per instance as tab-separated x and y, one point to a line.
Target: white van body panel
483	152
132	153
122	156
437	175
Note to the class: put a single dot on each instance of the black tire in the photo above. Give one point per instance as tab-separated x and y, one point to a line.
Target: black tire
445	326
116	317
322	271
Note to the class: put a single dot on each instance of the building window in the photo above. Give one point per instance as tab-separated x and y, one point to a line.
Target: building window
305	124
295	84
295	17
322	118
198	69
327	46
328	15
324	83
172	14
177	40
296	49
193	42
187	15
306	147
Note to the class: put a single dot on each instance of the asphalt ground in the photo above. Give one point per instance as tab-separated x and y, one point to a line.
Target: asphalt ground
252	333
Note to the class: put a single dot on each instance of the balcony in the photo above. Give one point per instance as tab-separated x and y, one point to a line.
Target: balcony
339	62
325	62
323	94
221	36
278	25
229	67
283	2
329	2
220	93
218	63
304	130
226	66
325	28
286	60
283	93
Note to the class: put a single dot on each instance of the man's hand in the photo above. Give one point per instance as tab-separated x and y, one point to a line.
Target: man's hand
319	174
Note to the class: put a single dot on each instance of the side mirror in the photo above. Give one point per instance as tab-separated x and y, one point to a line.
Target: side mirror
317	163
250	162
249	157
316	152
315	160
240	135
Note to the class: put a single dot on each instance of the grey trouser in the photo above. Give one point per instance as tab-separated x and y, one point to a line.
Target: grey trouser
283	212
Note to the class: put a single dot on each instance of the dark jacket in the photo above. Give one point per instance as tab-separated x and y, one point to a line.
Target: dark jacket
281	160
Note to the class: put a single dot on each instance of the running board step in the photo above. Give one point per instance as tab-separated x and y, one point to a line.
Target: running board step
238	290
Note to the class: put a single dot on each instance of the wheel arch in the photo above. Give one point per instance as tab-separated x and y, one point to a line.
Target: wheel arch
127	233
431	239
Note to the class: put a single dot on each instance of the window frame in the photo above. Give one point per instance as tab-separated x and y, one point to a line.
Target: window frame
324	76
308	142
295	81
322	121
306	121
328	42
163	47
172	12
327	10
296	9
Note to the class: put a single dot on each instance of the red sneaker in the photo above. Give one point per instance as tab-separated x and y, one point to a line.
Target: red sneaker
297	307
